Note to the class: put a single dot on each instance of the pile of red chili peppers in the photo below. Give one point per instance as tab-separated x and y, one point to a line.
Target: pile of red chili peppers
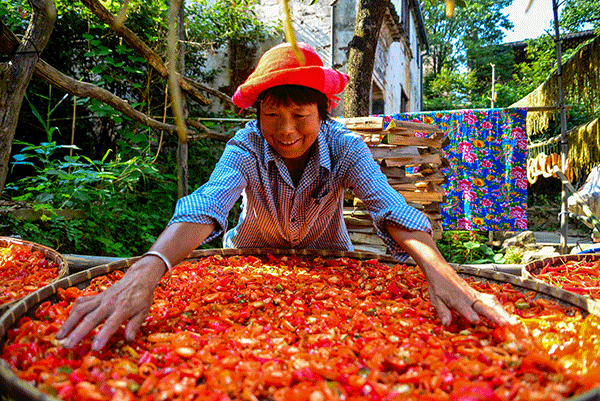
581	277
23	271
290	328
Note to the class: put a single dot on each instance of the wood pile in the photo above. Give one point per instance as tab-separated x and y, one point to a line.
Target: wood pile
397	149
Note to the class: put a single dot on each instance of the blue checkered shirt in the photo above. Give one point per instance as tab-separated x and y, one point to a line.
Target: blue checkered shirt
278	214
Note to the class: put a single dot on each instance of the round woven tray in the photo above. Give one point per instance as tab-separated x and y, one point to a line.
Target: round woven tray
529	271
18	389
536	267
51	255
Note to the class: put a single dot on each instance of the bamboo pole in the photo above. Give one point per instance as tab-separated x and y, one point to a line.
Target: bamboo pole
564	222
182	142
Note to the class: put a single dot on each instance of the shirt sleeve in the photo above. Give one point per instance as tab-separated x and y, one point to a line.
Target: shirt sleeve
212	202
383	202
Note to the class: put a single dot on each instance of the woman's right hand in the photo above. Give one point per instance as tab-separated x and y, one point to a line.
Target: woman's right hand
129	299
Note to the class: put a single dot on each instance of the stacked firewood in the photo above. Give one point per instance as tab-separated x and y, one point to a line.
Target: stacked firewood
412	165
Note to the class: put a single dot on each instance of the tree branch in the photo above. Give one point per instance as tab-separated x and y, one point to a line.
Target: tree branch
9	43
188	85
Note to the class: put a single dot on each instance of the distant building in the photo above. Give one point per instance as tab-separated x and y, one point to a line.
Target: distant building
329	26
568	41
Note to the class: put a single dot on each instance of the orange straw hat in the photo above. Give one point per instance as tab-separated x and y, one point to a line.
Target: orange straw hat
279	66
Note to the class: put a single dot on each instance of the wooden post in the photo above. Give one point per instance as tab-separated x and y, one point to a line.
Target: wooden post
182	148
564	222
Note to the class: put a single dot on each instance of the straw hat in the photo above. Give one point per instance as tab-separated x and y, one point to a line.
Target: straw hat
279	66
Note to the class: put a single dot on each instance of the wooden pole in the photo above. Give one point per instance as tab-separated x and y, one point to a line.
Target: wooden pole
564	222
182	147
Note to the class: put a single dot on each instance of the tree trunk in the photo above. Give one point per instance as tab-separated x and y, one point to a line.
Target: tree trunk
17	74
361	59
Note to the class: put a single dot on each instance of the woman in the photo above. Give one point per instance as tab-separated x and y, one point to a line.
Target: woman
292	166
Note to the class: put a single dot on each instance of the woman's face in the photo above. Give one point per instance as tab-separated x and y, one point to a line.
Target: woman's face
290	130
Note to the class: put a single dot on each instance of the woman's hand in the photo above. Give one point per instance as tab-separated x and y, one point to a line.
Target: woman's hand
129	299
447	289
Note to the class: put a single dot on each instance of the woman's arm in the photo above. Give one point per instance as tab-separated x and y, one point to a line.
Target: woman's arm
130	298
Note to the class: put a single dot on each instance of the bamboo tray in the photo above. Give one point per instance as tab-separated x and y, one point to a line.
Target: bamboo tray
531	269
51	255
18	389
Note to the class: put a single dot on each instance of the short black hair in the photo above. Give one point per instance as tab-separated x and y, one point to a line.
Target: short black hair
297	94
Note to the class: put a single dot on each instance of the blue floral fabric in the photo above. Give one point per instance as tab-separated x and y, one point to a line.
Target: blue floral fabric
487	177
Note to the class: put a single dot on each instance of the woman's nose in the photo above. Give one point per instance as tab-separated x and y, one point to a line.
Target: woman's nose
288	125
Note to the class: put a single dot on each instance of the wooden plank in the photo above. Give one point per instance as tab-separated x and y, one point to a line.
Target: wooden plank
370	239
433	216
362	123
435	160
432	208
412	126
405	186
357	222
387	151
393	172
419	205
404	140
422	196
360	229
359	213
380	250
370	138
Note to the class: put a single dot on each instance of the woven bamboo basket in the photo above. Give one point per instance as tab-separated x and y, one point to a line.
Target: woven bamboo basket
531	269
50	254
536	266
17	389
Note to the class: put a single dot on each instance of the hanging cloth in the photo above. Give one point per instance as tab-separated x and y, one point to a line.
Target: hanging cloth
487	174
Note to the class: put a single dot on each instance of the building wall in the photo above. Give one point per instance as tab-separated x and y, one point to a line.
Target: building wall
396	68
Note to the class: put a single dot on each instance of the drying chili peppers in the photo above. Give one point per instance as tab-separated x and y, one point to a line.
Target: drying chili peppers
581	277
23	271
294	328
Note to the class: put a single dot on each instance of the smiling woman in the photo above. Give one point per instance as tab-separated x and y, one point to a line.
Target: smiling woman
292	169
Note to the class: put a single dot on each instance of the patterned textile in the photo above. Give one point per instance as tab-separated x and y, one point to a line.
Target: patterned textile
487	176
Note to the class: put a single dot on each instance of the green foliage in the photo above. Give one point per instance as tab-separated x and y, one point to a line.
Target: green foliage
465	247
479	22
127	202
127	192
15	14
216	23
460	41
448	90
115	195
512	256
577	15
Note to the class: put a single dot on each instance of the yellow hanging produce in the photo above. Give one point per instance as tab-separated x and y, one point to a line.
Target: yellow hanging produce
289	31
